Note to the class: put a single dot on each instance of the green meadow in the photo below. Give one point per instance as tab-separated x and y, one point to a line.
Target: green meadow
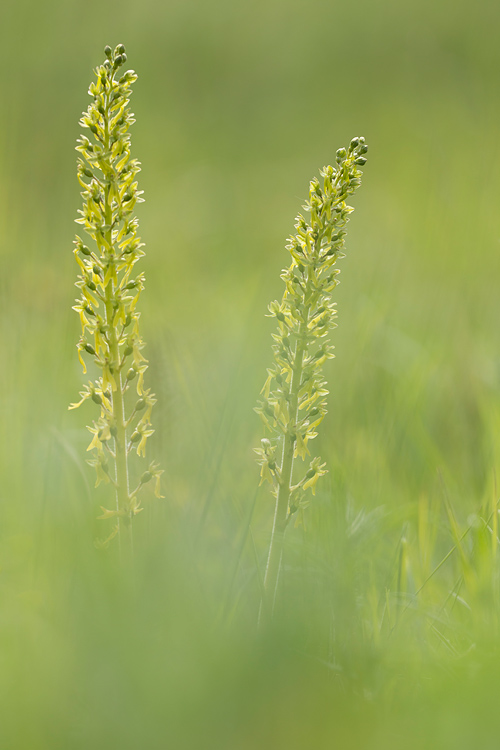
386	626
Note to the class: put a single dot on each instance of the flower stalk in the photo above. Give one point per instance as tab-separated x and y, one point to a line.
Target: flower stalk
110	291
293	400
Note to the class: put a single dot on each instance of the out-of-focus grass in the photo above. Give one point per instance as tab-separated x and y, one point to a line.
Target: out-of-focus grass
238	105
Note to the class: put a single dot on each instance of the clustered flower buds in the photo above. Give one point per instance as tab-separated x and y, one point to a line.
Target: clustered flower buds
108	287
294	394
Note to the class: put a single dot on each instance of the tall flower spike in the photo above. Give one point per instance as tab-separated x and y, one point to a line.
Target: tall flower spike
294	395
109	288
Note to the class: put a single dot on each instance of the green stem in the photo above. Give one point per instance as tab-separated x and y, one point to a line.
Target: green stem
117	400
285	483
119	423
279	525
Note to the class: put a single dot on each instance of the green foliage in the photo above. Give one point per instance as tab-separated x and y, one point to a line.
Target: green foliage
237	103
109	290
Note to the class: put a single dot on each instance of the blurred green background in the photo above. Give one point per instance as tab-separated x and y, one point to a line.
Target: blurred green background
238	104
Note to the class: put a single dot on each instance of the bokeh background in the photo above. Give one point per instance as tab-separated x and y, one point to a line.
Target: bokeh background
238	104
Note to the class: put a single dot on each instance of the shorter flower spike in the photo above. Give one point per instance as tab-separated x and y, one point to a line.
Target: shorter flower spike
293	399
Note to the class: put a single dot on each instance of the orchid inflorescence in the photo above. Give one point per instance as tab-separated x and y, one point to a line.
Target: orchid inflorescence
109	290
294	395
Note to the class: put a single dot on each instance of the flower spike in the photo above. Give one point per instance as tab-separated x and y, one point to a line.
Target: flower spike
109	290
293	399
